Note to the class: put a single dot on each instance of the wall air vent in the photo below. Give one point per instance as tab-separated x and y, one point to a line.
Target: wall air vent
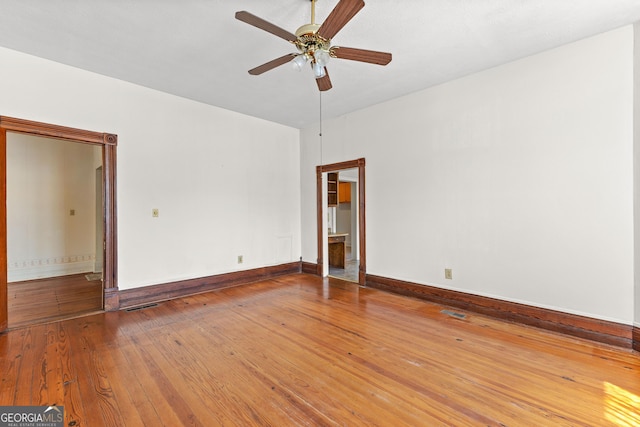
141	307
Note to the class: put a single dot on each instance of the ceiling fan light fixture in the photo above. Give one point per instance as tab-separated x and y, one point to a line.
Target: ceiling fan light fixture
299	62
322	57
318	70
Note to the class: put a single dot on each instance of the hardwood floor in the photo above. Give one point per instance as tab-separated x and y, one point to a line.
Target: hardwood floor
301	351
43	300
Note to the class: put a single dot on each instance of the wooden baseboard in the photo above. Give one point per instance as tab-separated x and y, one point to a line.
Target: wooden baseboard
570	324
111	299
636	338
309	268
166	291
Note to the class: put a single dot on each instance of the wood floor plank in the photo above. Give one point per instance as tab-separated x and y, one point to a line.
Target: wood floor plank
51	378
54	298
34	344
299	350
88	372
151	399
68	375
11	348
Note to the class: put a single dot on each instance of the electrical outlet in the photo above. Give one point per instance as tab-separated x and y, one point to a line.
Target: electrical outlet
72	212
155	213
448	274
239	259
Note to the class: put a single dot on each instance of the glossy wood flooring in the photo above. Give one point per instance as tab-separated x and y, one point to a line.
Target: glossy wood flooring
43	300
297	351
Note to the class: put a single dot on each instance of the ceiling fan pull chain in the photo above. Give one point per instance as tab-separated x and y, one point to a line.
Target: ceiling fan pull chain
320	134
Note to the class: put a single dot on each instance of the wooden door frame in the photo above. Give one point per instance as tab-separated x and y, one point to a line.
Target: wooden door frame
336	167
109	143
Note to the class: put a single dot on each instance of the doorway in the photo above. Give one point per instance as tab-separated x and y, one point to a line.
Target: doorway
106	149
342	227
51	240
331	235
99	214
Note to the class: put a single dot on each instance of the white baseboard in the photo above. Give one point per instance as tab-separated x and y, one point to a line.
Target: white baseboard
39	269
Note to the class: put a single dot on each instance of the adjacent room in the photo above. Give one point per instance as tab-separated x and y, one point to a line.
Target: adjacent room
309	212
54	229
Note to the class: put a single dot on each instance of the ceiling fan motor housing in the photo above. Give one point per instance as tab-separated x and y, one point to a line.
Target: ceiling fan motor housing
307	29
308	41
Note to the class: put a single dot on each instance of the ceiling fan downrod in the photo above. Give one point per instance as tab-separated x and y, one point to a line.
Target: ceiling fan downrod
312	47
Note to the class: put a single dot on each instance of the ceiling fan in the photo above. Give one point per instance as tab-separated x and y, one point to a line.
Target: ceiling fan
313	42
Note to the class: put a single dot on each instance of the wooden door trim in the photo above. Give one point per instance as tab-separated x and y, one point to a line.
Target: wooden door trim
4	301
334	167
109	142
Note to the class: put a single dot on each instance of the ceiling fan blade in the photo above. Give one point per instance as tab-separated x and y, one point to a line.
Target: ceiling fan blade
272	64
339	16
250	19
324	83
362	55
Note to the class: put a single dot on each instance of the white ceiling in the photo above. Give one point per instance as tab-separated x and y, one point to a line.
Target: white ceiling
198	50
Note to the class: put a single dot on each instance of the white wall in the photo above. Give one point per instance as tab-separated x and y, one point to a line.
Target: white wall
343	221
519	178
225	184
46	179
636	162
